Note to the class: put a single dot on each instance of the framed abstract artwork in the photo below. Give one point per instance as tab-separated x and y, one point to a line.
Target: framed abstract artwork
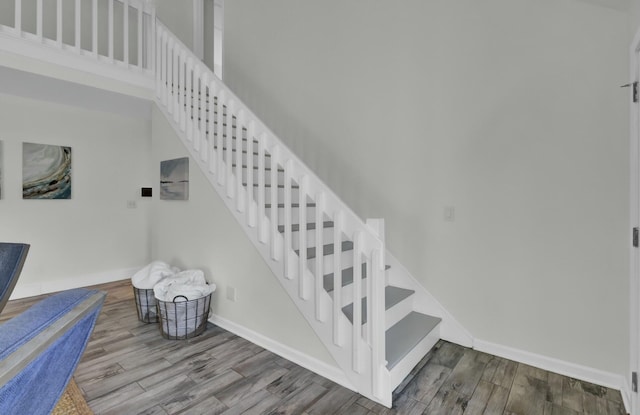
174	179
46	171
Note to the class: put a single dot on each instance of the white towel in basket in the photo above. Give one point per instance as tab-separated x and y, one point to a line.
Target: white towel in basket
149	276
189	283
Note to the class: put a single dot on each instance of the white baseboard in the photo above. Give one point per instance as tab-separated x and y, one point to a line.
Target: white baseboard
23	290
323	369
585	373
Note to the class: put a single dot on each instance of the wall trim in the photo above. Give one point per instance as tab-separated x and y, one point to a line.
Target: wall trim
23	290
576	371
333	373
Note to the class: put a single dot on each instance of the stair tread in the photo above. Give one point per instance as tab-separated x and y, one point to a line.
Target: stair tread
327	249
392	296
406	334
310	226
347	277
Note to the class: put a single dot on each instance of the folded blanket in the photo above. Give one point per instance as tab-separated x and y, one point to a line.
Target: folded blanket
153	273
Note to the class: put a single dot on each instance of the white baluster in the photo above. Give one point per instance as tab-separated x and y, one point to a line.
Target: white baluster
94	29
204	103
213	131
288	174
357	299
39	19
302	238
78	25
262	229
125	45
368	293
377	314
238	171
251	218
110	30
17	23
319	271
182	90
197	107
158	55
189	97
229	145
377	320
139	59
163	60
274	201
152	50
175	87
169	82
59	23
221	134
337	279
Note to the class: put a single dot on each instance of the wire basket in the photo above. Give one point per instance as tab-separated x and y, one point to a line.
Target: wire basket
146	305
183	319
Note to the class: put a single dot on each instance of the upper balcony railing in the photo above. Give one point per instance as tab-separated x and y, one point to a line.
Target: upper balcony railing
119	32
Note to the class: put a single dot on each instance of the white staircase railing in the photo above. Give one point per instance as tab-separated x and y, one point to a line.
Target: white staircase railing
244	161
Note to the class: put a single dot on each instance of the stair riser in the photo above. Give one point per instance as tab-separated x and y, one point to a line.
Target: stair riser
280	195
347	293
327	261
295	214
398	311
267	176
327	237
267	160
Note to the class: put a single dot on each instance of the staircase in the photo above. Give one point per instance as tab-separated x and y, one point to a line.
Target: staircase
371	315
330	262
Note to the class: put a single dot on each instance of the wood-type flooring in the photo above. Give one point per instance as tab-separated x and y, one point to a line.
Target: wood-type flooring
128	369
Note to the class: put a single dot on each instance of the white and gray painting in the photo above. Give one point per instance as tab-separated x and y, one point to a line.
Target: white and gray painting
46	171
174	179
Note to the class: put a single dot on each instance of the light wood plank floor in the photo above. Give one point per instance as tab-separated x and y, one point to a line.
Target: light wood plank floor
128	368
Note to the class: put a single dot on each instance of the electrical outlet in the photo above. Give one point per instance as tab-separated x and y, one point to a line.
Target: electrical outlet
131	204
231	293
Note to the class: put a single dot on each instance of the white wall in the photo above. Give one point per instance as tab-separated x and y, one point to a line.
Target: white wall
201	233
634	17
178	17
93	237
508	110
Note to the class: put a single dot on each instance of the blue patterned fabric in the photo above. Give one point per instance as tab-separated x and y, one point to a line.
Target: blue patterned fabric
37	388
